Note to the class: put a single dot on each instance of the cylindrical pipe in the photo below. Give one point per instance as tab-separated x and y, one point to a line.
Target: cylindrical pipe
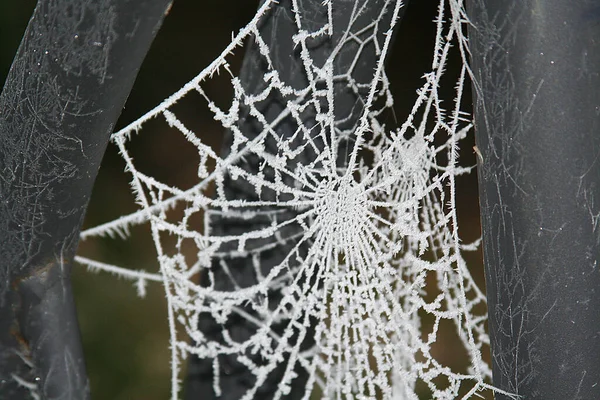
536	67
66	88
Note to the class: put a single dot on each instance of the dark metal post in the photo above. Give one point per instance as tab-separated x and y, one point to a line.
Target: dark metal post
66	88
536	68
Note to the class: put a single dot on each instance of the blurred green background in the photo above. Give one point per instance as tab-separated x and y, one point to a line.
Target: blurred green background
125	338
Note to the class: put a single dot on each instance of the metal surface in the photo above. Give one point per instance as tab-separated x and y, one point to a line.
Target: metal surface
65	90
536	68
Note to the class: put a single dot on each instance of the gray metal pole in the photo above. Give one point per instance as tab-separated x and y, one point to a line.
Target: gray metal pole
536	68
65	90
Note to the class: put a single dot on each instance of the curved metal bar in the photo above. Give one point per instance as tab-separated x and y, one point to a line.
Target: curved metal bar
66	88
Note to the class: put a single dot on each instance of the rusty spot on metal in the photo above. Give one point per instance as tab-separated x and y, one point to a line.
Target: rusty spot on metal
23	343
32	273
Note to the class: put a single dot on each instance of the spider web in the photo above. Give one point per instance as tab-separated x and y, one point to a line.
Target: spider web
328	236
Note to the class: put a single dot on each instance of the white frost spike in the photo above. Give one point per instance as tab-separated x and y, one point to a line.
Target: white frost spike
141	287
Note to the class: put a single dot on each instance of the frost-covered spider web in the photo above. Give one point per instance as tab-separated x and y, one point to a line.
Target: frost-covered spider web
328	234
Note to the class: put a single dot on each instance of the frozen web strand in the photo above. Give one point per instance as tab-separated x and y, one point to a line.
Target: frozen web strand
313	272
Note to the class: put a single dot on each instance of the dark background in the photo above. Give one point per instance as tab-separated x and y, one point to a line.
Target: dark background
126	338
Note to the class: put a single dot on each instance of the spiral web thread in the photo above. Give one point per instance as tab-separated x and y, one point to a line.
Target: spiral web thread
329	235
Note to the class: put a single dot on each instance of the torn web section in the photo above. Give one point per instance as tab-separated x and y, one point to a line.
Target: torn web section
279	205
